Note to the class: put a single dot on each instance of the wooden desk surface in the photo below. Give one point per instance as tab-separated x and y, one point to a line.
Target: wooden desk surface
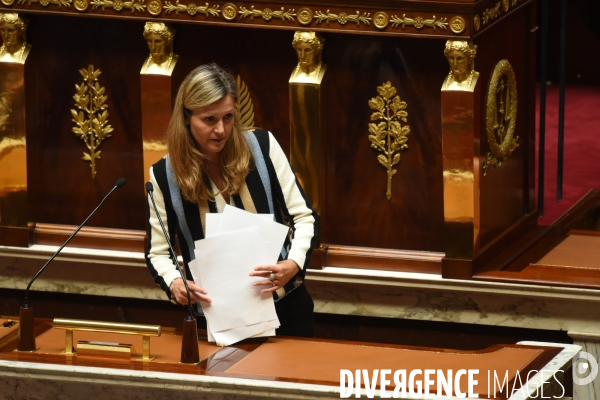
312	361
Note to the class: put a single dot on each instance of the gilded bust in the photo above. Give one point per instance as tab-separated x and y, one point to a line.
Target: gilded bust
308	46
461	57
14	44
161	60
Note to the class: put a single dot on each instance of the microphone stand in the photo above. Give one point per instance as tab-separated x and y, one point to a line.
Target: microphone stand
26	327
189	340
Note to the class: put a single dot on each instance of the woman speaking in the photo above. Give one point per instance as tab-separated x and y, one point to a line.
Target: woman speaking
214	161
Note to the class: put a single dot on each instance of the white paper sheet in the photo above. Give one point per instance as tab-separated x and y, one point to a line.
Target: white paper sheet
231	336
273	233
225	262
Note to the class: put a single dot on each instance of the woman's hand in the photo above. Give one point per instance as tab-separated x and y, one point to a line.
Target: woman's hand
283	271
196	292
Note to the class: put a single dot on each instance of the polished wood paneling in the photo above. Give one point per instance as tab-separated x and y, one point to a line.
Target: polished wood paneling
357	209
60	183
505	190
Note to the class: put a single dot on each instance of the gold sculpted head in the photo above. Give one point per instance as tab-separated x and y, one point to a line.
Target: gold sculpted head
12	29
159	37
461	57
308	46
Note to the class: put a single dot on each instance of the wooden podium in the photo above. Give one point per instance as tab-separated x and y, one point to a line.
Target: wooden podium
366	46
281	367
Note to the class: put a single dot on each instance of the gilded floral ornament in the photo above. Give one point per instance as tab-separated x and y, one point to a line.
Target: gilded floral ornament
418	22
267	14
90	100
343	18
230	11
244	105
380	20
45	3
81	5
305	16
491	13
501	115
388	136
457	24
192	9
155	7
118	5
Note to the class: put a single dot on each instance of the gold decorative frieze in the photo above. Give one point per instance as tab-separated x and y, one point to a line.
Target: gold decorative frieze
244	106
491	13
305	16
230	11
501	115
476	22
267	14
92	118
380	20
118	5
45	3
343	18
419	22
192	9
8	2
505	5
388	136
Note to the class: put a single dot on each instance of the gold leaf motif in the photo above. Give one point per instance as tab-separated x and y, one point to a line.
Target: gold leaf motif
343	18
90	99
244	106
118	5
267	14
60	3
192	9
419	22
491	13
388	136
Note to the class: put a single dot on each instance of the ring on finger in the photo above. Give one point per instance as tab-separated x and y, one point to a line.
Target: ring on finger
272	277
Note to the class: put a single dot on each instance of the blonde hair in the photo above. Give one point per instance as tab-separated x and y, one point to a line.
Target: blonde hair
204	86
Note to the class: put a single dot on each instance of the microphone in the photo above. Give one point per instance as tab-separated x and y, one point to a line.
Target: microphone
26	329
189	341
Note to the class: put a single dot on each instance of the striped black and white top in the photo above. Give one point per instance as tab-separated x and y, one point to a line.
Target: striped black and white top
289	200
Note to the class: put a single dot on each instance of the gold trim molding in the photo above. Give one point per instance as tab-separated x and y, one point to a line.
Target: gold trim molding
192	9
118	5
491	13
419	22
267	14
90	99
343	18
501	115
45	3
388	136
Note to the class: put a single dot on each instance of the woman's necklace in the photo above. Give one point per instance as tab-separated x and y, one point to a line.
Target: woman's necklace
149	60
21	51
